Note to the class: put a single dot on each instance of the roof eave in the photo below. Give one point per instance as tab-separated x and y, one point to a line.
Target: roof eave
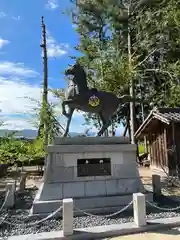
151	116
144	124
161	118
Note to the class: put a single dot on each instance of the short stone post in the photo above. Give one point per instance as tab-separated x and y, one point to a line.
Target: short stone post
10	198
22	184
139	208
156	184
68	217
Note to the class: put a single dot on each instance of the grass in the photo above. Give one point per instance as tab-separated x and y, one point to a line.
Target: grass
141	148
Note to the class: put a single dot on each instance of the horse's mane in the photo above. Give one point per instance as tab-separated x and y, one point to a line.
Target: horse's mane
83	73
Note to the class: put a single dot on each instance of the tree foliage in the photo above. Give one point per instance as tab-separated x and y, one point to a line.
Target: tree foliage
154	28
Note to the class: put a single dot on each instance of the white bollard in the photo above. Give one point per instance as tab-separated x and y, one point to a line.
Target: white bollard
139	208
68	217
22	184
10	199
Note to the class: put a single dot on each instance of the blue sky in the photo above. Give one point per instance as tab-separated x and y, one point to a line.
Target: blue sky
20	58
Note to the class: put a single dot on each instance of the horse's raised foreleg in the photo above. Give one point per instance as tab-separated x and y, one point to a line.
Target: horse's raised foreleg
64	103
63	108
69	114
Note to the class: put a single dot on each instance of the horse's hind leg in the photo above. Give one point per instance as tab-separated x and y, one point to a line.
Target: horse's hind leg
69	114
106	120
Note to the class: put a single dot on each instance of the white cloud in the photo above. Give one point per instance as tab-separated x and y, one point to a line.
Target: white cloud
54	49
14	91
18	98
3	42
3	14
52	4
16	69
13	97
16	18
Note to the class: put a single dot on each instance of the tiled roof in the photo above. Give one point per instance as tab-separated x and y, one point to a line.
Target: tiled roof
170	114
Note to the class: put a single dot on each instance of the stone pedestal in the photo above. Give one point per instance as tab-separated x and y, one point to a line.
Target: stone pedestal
71	164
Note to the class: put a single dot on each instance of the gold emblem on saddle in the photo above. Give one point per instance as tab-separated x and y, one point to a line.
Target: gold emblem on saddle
94	101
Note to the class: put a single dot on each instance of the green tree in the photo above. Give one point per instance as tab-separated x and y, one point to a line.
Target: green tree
103	27
54	127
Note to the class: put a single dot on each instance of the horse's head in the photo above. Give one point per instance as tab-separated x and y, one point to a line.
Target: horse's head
74	69
79	74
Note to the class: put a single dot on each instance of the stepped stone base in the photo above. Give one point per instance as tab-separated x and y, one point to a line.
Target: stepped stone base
104	193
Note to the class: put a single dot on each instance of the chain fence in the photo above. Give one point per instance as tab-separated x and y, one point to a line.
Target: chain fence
3	218
5	200
22	222
37	225
109	215
19	222
126	207
34	223
161	208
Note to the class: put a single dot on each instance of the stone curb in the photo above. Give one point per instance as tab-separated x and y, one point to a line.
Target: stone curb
122	232
104	231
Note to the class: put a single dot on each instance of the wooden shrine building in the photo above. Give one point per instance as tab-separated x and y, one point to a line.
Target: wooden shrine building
162	128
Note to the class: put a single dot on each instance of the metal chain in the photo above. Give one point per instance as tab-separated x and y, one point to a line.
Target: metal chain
3	218
19	221
164	209
7	194
106	216
34	223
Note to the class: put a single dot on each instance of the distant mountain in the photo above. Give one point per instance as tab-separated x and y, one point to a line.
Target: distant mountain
27	133
31	134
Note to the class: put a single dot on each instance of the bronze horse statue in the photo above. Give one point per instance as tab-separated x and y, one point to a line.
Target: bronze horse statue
79	96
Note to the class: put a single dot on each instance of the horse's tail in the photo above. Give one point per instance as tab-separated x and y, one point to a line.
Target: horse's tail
122	99
125	99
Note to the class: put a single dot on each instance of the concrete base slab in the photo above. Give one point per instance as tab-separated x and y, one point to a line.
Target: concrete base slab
93	205
101	232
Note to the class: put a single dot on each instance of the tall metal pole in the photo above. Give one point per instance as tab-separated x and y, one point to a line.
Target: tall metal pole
45	82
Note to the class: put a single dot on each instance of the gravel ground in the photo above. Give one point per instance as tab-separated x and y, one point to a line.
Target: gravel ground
17	218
